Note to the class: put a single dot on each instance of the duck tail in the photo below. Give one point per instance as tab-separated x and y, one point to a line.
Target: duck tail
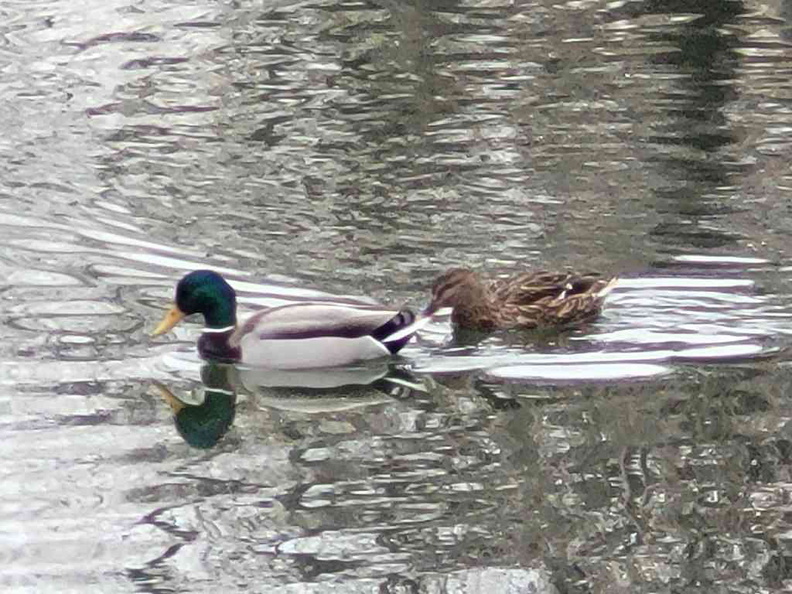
397	332
603	292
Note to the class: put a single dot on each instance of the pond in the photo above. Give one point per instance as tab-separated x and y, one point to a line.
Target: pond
351	151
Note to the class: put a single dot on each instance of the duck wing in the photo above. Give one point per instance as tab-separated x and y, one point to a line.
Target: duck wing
532	287
549	298
305	321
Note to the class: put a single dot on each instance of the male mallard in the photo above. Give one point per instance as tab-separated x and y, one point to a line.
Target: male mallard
296	336
529	300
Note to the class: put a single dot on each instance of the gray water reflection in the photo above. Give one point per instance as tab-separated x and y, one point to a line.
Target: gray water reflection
350	151
203	416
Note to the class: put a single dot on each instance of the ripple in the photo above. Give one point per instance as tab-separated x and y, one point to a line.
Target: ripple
709	259
337	545
736	352
557	363
68	308
41	278
652	282
492	579
57	373
576	373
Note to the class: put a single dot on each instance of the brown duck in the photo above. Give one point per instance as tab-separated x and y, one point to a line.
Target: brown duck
525	301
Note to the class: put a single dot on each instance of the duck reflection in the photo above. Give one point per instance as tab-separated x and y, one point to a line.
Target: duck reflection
205	415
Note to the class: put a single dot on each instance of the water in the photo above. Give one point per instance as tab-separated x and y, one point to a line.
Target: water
351	151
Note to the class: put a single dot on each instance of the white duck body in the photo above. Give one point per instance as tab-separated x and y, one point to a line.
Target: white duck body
314	335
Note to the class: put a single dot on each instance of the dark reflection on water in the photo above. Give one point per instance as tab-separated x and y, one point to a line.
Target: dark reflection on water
350	151
678	492
695	137
203	419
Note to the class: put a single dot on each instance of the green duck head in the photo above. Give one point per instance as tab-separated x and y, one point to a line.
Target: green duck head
203	292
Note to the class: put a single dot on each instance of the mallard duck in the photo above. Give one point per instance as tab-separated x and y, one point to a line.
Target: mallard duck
295	336
528	301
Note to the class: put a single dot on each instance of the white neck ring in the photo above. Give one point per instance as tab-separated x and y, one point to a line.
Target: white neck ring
218	330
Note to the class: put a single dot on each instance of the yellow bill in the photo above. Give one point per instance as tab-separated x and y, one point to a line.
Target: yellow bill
173	317
169	397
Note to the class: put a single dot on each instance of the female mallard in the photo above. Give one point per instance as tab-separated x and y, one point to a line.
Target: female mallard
296	336
529	300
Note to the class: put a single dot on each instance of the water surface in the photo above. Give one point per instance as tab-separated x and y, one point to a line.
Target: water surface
350	151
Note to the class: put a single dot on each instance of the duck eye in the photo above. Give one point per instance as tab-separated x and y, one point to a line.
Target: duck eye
446	292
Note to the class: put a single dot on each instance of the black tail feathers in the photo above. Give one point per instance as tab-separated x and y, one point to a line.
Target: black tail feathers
401	320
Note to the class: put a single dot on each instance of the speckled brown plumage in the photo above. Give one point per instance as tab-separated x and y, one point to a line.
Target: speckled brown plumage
528	300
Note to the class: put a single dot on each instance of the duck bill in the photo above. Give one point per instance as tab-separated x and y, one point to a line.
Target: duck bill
433	310
430	309
173	317
169	397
